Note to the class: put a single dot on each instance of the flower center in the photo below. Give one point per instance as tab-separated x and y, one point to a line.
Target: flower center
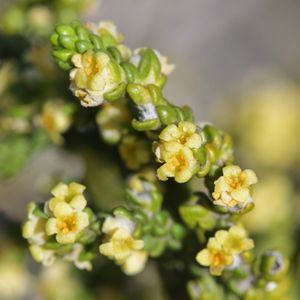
235	182
67	224
218	259
179	162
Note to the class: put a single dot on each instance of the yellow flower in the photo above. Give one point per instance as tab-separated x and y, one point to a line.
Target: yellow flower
121	245
221	249
185	134
71	194
94	75
135	263
135	152
179	162
232	189
66	223
215	256
41	255
237	241
112	119
34	228
55	120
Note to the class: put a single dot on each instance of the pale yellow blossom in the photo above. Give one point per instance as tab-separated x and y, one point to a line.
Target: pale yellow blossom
185	134
222	248
66	223
121	245
215	256
179	162
94	75
71	194
233	188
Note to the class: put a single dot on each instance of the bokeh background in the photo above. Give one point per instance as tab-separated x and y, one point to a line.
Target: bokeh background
237	66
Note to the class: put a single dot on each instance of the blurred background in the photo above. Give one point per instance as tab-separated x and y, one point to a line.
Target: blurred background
237	66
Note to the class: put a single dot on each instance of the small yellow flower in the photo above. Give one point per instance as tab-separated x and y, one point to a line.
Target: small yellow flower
55	120
66	223
34	228
94	75
237	241
71	194
121	245
112	119
179	162
215	256
135	152
185	134
232	189
41	255
222	248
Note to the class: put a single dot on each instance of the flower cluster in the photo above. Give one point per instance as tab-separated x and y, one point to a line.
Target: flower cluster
222	248
232	189
62	217
121	245
175	150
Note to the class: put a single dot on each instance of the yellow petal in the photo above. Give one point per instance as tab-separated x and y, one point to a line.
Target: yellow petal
138	244
60	190
240	195
76	188
250	177
51	226
78	202
170	133
135	263
203	257
106	249
66	238
82	220
194	141
216	270
62	209
221	236
183	176
231	171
